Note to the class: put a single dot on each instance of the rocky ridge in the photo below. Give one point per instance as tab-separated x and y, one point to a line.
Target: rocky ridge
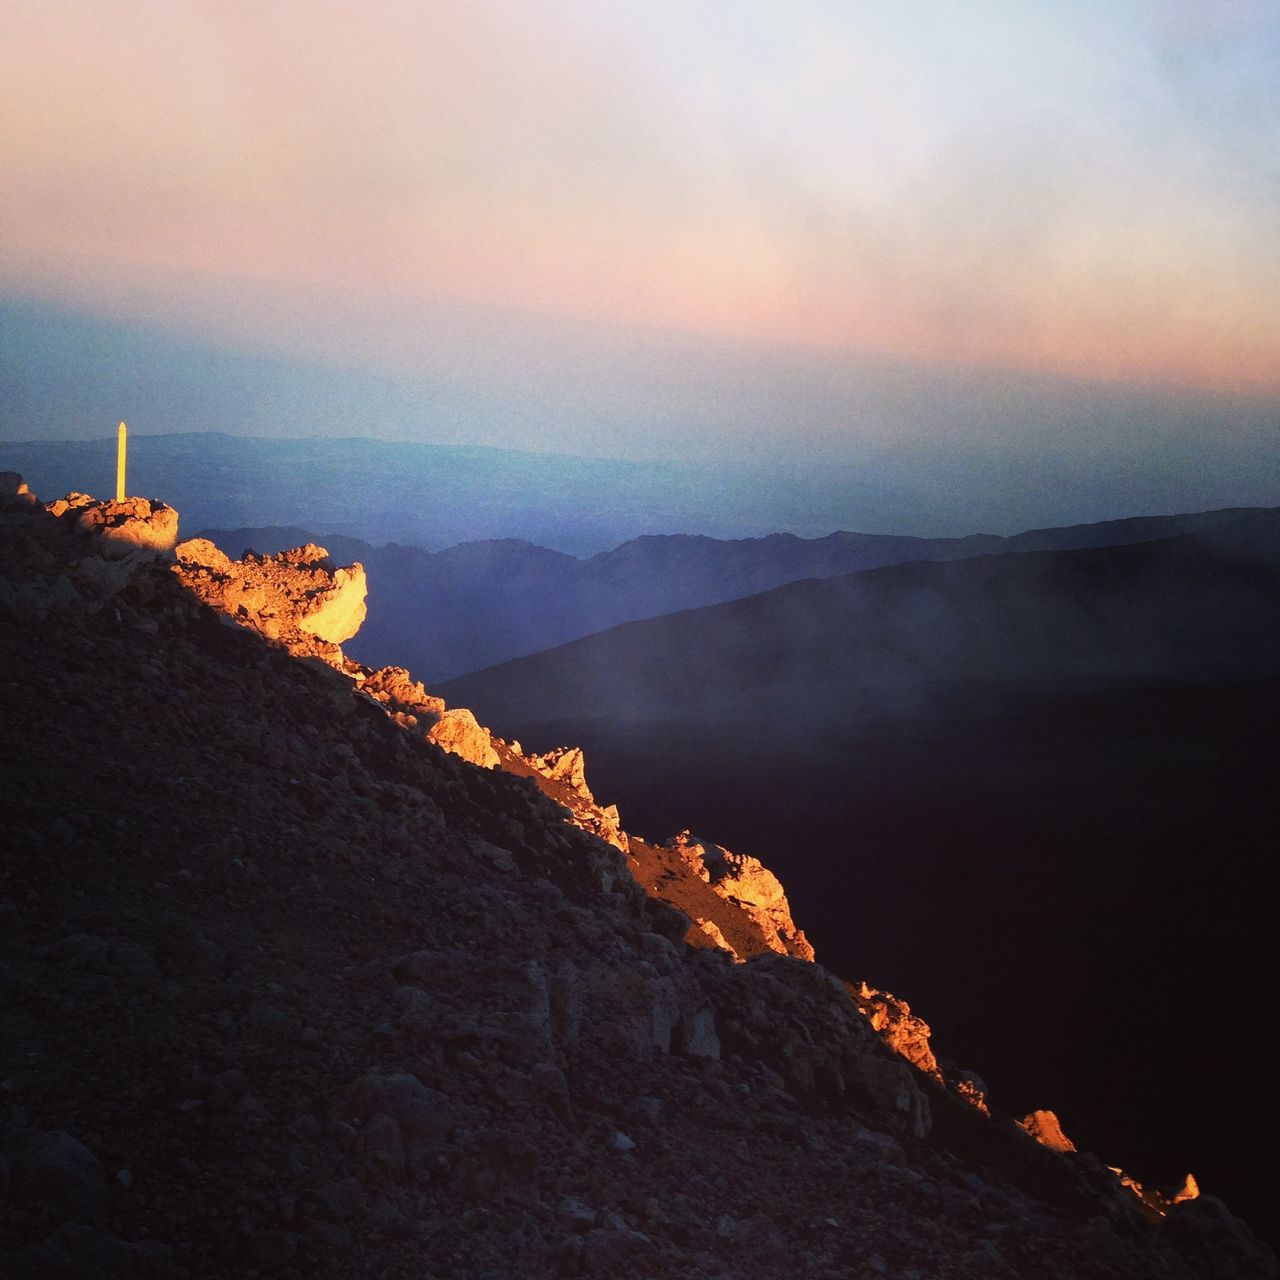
536	1033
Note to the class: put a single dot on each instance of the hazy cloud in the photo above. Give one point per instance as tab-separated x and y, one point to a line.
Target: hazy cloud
1087	190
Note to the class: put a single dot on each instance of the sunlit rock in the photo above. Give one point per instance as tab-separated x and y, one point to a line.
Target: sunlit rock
397	690
566	764
1046	1129
74	501
299	597
972	1090
1155	1199
751	886
340	610
458	731
904	1032
561	774
711	931
131	526
14	491
202	553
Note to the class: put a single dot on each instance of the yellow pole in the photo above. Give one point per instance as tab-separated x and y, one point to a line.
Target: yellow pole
121	447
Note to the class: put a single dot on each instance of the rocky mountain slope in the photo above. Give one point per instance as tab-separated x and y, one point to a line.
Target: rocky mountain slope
449	612
291	988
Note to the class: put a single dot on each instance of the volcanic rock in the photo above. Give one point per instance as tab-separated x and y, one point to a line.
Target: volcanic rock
299	597
457	731
58	1175
904	1032
1046	1129
277	942
129	527
750	886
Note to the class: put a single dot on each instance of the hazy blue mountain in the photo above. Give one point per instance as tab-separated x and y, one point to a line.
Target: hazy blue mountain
1170	609
445	613
792	443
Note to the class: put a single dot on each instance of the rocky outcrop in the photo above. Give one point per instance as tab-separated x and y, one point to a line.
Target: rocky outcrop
14	491
561	776
565	764
298	598
1046	1129
750	887
405	699
457	730
132	527
904	1032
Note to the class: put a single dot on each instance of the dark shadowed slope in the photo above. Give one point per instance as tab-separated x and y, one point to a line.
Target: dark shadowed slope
1036	791
449	612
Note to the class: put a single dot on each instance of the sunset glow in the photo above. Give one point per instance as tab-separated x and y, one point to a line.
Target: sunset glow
1088	192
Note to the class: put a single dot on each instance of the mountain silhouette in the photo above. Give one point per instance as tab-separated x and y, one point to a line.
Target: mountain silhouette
449	612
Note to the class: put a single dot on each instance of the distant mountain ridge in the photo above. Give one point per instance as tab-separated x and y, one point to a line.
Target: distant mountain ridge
1172	608
437	495
475	605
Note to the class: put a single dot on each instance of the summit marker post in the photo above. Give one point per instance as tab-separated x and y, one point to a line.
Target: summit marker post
122	445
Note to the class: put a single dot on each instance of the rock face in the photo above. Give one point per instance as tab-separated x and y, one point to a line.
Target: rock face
299	597
456	730
135	525
360	1008
746	884
901	1030
1046	1129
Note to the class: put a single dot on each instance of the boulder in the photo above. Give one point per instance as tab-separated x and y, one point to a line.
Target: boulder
298	598
14	491
130	527
202	553
458	731
55	1173
1046	1129
337	612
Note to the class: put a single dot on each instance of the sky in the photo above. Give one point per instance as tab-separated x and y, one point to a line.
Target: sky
744	212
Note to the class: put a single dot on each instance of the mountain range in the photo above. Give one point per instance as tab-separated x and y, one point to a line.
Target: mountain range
449	612
436	495
771	440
